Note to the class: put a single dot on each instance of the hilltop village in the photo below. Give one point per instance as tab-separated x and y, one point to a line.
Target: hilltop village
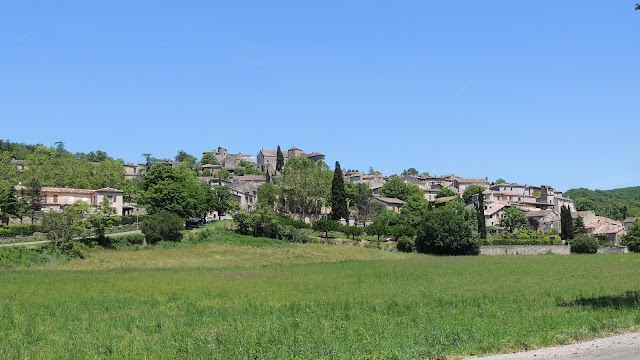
242	174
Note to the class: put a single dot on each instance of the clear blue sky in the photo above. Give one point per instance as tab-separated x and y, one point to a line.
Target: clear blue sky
536	92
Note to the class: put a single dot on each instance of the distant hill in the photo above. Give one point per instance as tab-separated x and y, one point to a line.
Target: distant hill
616	203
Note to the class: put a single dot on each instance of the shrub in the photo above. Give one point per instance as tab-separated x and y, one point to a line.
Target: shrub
446	231
126	240
14	230
406	245
584	245
325	225
163	225
632	238
292	234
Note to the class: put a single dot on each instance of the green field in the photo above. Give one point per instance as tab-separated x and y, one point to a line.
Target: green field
245	298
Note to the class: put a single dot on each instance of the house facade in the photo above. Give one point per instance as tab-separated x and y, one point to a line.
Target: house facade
392	204
55	199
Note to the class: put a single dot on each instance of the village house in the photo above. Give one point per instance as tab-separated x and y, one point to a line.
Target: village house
132	170
629	222
55	199
266	159
608	230
392	204
462	184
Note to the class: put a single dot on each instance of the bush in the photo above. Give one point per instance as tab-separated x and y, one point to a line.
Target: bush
163	225
406	245
446	231
584	245
131	219
292	234
14	230
125	240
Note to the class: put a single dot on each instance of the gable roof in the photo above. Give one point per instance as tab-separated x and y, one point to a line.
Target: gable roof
472	181
108	189
391	201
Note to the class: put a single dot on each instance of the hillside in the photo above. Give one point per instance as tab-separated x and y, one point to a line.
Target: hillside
616	203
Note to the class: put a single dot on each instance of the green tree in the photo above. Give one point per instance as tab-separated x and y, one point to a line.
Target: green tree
103	217
632	238
62	227
209	158
279	160
7	168
566	224
173	189
482	225
8	201
501	181
222	200
109	173
339	209
33	193
584	204
267	196
579	228
470	192
396	188
305	186
361	200
445	192
162	225
325	225
410	172
448	230
513	218
413	211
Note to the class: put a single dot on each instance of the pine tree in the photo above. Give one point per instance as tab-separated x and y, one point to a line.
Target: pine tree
338	196
482	225
279	159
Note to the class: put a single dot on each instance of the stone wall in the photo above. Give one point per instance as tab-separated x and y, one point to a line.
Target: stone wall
524	249
613	250
541	249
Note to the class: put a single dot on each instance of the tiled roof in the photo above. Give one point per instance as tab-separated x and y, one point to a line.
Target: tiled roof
108	189
66	190
494	209
389	200
312	154
602	226
538	213
472	181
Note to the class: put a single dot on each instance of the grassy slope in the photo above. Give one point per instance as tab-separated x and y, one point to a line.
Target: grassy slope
268	299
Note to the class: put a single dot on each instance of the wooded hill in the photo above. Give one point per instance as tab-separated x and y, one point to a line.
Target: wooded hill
615	203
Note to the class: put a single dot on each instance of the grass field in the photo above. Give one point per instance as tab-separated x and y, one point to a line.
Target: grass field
245	298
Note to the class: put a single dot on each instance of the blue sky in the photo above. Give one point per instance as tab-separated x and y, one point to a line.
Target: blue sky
543	92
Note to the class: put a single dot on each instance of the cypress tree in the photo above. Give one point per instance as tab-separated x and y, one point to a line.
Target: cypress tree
279	159
338	196
482	226
566	223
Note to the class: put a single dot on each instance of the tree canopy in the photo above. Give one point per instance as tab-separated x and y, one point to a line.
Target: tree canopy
396	188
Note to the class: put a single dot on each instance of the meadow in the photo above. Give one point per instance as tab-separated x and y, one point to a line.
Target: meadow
236	297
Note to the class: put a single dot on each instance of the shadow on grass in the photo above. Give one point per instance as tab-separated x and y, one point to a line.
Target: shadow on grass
630	299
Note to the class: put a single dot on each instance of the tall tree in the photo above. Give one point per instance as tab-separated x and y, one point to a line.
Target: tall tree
8	201
33	193
305	186
482	225
579	228
339	209
173	189
410	172
279	159
102	218
566	223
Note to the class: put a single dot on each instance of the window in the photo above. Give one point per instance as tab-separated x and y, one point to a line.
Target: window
55	198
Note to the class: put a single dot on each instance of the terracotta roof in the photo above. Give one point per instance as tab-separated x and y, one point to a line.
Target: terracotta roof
66	190
538	213
108	189
494	209
389	200
447	198
312	154
602	226
473	181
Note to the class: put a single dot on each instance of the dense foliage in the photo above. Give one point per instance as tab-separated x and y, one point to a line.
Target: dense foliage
162	226
632	238
449	230
617	203
584	245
